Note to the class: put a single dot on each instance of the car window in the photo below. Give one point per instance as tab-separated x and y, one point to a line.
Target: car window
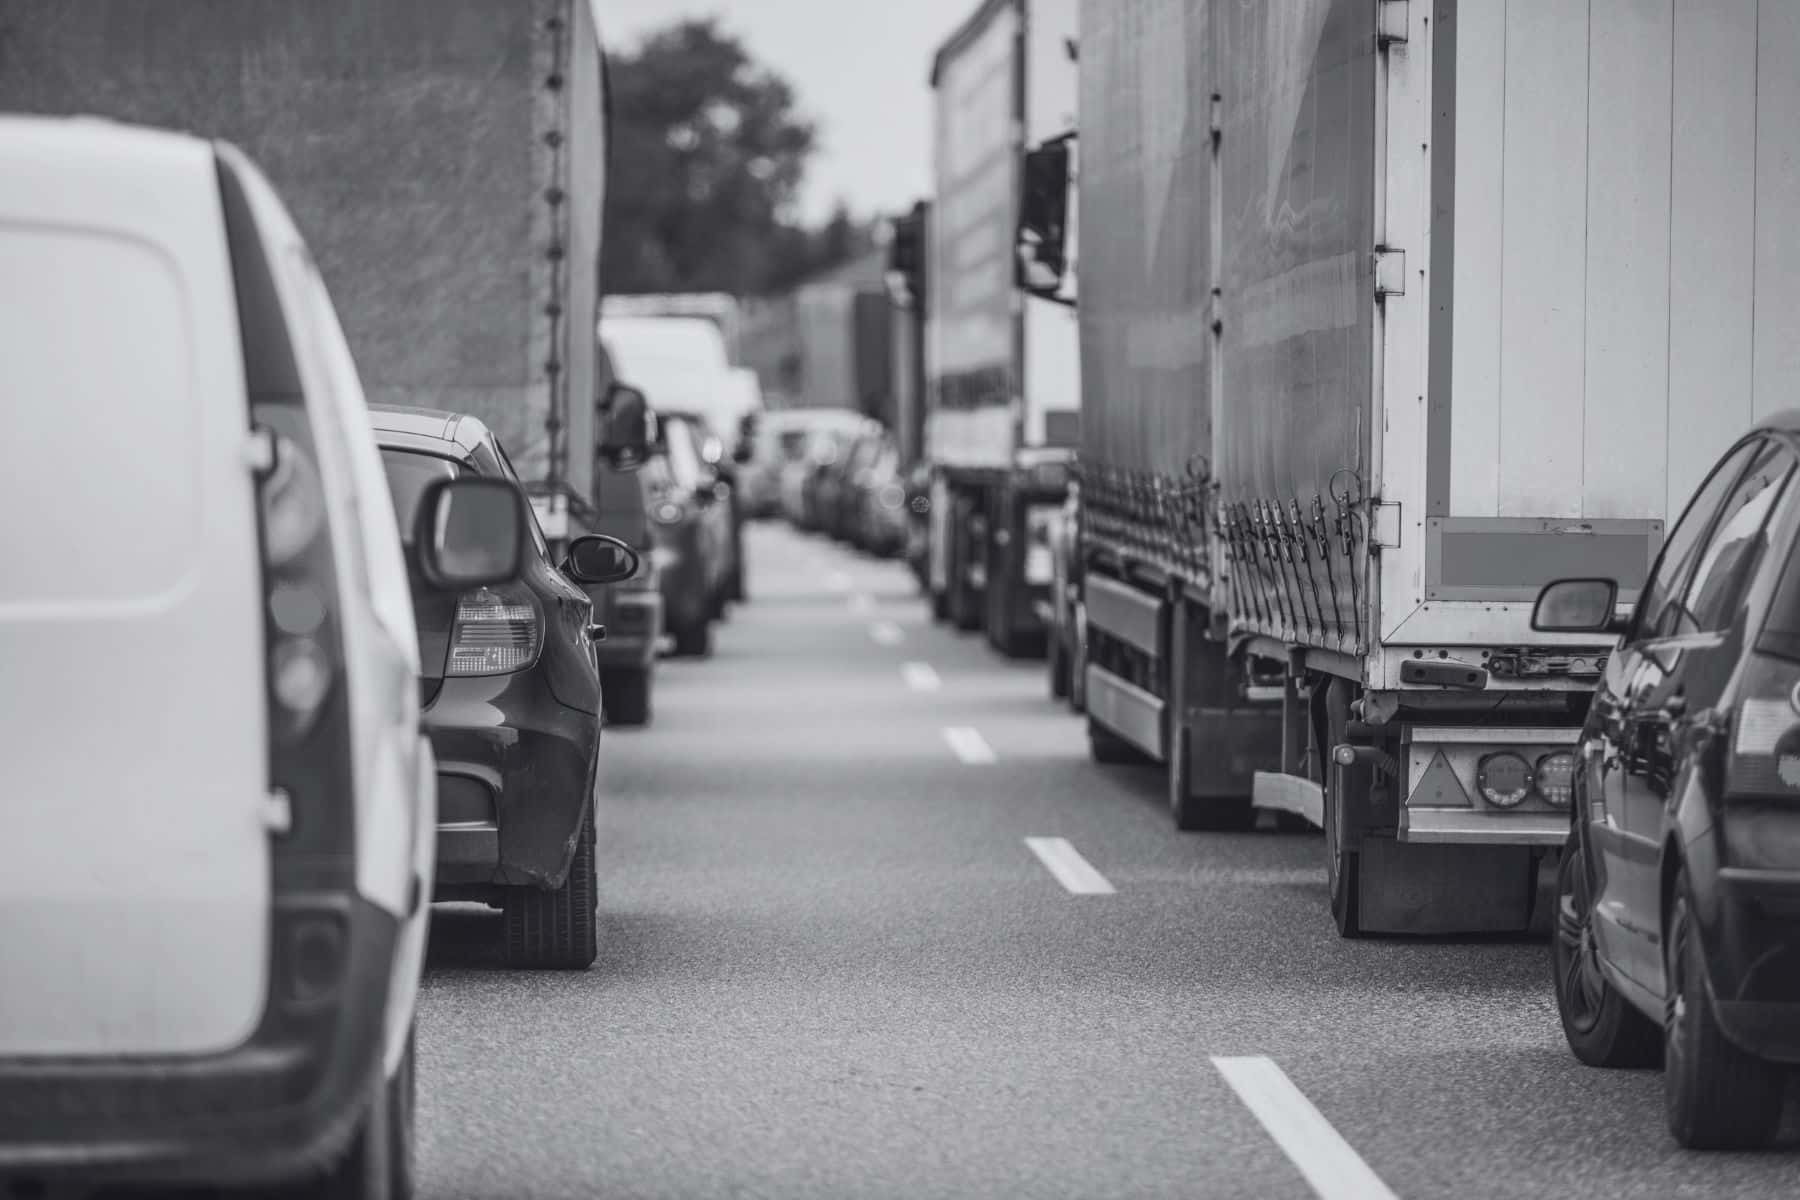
1656	613
409	473
1733	550
531	520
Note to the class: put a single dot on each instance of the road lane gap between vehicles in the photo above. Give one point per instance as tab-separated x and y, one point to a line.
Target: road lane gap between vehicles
920	677
886	633
1331	1167
1064	861
968	745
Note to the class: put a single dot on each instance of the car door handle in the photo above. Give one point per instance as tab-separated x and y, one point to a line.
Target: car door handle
596	633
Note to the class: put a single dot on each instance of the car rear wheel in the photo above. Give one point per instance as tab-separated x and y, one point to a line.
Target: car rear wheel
694	641
1718	1097
559	929
1601	1026
1059	668
627	695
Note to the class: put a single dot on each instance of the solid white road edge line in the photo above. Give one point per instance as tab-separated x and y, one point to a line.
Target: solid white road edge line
1074	872
968	745
920	677
886	633
1335	1171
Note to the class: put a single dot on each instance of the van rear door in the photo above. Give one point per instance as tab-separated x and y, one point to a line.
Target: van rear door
133	718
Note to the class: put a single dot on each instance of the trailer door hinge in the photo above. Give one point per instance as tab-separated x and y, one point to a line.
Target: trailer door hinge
1390	271
1384	533
1393	20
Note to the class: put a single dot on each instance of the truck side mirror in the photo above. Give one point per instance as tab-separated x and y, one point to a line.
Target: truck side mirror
627	428
1042	259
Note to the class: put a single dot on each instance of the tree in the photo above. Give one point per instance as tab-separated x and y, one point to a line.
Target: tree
708	154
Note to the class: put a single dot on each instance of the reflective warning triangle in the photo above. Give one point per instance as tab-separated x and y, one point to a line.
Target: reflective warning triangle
1439	787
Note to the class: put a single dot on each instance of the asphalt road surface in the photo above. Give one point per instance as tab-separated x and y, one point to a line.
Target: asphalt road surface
844	953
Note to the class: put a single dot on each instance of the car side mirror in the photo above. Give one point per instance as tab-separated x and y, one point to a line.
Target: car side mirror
597	558
470	533
1578	606
627	428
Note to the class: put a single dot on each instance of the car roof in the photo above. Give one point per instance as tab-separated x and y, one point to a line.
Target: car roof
459	429
1786	421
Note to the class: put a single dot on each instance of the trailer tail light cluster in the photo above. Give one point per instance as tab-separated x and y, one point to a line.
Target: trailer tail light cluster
1765	739
498	631
1507	780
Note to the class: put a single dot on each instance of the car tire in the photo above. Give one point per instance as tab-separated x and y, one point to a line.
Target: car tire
379	1163
1717	1096
694	641
626	692
559	929
1109	749
1060	672
1601	1026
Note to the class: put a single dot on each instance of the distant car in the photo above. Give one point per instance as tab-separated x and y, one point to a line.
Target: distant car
631	609
850	480
824	432
219	806
881	514
690	532
777	439
829	485
511	696
1678	929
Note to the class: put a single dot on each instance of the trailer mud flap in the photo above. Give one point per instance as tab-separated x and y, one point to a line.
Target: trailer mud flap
1445	889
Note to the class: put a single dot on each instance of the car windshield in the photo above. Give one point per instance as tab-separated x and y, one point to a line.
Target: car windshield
409	472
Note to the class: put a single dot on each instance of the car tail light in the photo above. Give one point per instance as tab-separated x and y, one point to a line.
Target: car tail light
1555	778
296	553
497	632
1765	738
1505	779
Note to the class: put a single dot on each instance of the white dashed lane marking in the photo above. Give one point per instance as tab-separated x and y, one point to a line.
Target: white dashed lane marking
969	746
1074	872
920	677
1335	1171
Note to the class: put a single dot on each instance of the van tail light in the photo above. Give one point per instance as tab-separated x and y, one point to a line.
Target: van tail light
498	631
296	553
1765	736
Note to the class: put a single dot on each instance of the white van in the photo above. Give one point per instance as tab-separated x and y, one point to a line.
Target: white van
218	809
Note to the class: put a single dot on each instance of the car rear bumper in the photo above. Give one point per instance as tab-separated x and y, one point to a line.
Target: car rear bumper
285	1101
515	777
1754	959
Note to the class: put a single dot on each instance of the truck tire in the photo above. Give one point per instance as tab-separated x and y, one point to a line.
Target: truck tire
1602	1028
626	691
1216	814
1109	749
1717	1096
1342	864
560	929
694	641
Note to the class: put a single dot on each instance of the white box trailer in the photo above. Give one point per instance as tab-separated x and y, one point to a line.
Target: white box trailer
1002	400
1490	286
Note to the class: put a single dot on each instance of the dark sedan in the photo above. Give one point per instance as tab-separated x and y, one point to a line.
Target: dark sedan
1678	934
691	533
511	702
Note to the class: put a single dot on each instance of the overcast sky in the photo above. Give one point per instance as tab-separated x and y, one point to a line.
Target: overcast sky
859	71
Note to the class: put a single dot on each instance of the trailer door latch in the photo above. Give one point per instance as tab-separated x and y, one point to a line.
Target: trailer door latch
1390	272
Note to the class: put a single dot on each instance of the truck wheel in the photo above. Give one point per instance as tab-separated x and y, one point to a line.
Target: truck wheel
626	691
1218	814
1342	864
560	929
1109	749
1602	1029
1717	1096
1060	671
694	641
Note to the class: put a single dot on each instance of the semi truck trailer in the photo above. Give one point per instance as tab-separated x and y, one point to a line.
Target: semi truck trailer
440	156
1392	313
1002	397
